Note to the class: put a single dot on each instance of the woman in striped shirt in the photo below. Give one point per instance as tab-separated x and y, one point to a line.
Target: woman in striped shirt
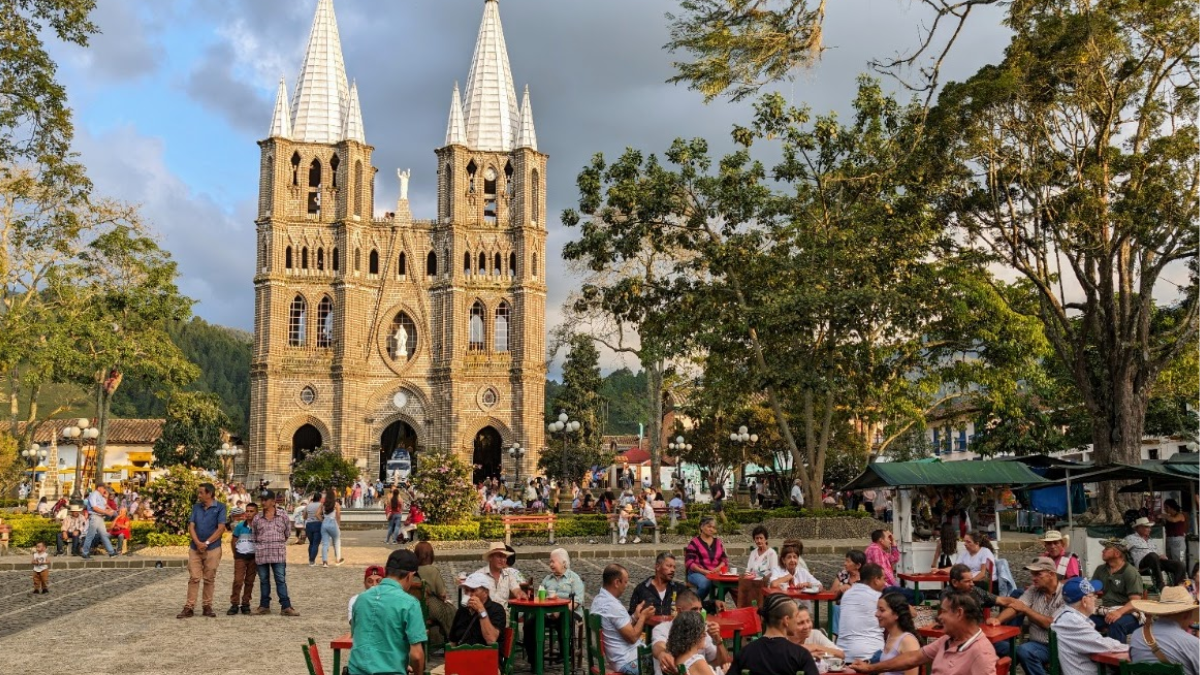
704	554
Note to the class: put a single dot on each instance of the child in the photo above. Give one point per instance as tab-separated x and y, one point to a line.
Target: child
623	522
41	569
245	570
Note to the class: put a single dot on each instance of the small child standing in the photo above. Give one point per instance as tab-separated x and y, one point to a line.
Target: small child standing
623	522
41	569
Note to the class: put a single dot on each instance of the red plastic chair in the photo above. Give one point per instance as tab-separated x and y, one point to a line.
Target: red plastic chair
312	657
751	625
473	660
507	635
1003	666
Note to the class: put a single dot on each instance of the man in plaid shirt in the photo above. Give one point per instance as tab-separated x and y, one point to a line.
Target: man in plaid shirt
271	530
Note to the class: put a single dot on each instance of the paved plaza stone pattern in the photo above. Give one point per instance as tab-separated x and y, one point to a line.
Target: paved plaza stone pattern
123	621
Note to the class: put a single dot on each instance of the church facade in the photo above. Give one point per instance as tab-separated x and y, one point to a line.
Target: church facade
385	336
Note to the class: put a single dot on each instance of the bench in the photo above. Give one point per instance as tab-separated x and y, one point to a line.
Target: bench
612	526
528	523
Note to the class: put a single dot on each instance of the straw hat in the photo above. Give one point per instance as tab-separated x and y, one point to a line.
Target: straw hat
1055	536
1174	600
74	508
495	547
1142	522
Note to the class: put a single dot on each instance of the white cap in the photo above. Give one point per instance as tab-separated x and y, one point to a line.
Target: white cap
476	580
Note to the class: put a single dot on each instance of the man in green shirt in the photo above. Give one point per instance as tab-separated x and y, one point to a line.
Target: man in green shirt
387	626
1122	585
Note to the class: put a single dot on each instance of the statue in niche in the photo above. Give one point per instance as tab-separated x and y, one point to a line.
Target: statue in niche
404	176
400	343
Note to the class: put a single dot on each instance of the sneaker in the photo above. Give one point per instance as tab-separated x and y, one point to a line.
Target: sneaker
312	564
208	611
246	609
187	613
288	611
637	540
113	555
339	562
261	611
233	610
622	541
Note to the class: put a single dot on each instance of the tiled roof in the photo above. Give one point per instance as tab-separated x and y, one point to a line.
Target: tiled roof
120	431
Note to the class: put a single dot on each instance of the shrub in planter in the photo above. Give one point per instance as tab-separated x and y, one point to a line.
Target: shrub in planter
172	496
442	483
166	539
27	532
462	532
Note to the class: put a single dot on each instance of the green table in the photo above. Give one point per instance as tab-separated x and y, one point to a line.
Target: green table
722	584
537	610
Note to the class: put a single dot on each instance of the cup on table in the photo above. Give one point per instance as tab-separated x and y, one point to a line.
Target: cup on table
552	595
733	570
834	663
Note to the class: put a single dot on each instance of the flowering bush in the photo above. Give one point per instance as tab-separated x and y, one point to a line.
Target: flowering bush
172	496
322	469
442	483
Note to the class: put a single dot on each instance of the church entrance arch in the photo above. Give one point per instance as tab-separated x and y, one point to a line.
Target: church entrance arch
306	439
397	452
489	448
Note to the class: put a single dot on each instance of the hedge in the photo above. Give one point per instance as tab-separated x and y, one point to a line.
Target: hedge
465	531
29	529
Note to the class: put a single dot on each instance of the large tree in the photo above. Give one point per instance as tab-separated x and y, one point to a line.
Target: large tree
1075	163
580	399
194	429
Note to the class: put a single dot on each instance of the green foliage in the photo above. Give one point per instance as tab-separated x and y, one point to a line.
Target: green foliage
568	458
171	497
28	530
468	531
192	432
443	483
625	392
164	539
322	469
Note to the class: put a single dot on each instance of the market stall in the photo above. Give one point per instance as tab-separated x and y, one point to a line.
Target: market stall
927	489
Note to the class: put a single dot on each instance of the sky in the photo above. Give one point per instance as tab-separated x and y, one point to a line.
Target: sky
171	99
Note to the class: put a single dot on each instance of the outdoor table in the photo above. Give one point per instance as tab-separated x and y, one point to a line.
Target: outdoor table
344	642
917	578
828	597
538	609
1103	661
723	583
994	634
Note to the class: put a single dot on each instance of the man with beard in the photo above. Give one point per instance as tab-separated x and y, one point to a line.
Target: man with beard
659	590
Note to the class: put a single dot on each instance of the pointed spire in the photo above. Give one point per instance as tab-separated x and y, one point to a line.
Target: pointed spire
281	121
456	131
491	101
526	136
319	106
354	124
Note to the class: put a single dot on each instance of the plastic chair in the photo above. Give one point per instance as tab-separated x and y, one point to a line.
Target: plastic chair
1053	665
751	625
1003	666
507	636
473	660
312	658
595	645
1128	668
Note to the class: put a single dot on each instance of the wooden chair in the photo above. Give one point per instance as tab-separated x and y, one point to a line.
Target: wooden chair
473	660
1128	668
595	645
1003	666
312	657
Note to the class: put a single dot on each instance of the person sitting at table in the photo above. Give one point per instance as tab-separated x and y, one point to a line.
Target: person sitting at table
387	627
763	560
899	632
565	585
713	647
1037	605
481	619
704	554
962	581
660	590
1075	633
963	650
371	578
980	557
1167	639
1147	561
774	653
686	643
859	634
505	581
621	634
1066	565
437	598
1122	584
850	572
812	639
792	577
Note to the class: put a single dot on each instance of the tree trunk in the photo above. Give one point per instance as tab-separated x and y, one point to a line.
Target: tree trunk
654	388
1117	437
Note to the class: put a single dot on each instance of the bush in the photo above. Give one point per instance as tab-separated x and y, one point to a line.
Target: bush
172	495
165	539
443	486
461	532
322	469
29	529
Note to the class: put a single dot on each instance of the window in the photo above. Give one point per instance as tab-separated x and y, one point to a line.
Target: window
359	190
320	259
501	328
534	272
333	170
536	205
402	340
287	257
325	323
308	395
937	441
512	265
496	265
471	171
508	180
401	265
449	213
314	187
297	322
357	260
467	264
296	169
304	258
373	262
1152	453
431	265
446	261
333	259
476	332
482	264
962	440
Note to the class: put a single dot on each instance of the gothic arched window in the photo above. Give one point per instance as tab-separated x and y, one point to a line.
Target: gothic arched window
359	190
431	265
482	264
508	179
496	265
314	187
501	327
287	257
476	326
467	264
333	259
297	322
357	260
534	272
325	323
373	262
471	171
512	265
296	169
402	339
401	265
320	259
333	170
536	198
304	258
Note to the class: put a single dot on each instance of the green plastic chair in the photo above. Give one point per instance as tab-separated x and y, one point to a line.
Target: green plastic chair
1054	669
1128	668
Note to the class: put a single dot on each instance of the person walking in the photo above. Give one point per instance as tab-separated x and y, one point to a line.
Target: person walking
312	525
205	526
331	531
97	506
394	510
245	571
270	533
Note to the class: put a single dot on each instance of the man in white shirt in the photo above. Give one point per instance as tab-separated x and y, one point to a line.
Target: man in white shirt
505	581
859	634
1077	636
797	494
1147	560
621	633
714	647
646	518
97	507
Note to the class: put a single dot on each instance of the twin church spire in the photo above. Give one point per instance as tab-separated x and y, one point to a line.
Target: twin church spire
325	107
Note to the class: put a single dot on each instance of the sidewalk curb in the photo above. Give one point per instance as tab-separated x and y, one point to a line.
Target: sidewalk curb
108	564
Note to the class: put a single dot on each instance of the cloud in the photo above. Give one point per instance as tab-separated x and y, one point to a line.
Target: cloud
127	47
213	84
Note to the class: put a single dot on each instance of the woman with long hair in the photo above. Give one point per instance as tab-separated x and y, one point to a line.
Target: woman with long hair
331	530
980	557
312	525
394	509
685	643
899	632
947	546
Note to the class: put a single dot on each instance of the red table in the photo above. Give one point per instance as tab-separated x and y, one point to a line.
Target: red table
539	609
827	597
918	578
994	634
1103	661
344	642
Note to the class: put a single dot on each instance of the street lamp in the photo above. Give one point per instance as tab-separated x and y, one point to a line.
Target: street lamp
79	433
564	425
227	453
743	436
517	452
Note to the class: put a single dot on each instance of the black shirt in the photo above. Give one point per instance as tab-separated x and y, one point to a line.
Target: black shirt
466	631
647	593
773	656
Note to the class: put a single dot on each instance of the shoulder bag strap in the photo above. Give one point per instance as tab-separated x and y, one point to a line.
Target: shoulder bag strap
1153	645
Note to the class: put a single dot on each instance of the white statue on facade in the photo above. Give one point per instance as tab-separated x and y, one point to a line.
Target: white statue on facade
404	175
400	350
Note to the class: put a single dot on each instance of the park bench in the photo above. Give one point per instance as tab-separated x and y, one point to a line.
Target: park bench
657	527
528	523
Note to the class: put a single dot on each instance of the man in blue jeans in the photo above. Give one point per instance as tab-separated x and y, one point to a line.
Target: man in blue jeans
1122	584
97	506
1038	605
271	530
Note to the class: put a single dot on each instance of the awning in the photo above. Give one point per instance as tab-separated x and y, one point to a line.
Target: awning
1176	473
925	473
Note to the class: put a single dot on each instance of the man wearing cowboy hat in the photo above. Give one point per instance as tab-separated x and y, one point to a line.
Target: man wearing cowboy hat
504	582
1143	556
1168	641
74	528
1122	585
1073	628
1066	565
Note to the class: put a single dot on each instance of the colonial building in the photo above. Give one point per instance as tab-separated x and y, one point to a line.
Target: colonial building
380	336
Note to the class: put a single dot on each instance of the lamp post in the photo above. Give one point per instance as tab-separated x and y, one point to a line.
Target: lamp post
566	426
35	454
227	454
517	452
80	433
743	436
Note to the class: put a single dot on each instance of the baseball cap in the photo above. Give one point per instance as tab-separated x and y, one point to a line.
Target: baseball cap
402	561
1042	564
237	511
375	569
1078	588
476	580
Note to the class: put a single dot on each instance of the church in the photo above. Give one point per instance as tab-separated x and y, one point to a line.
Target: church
380	335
